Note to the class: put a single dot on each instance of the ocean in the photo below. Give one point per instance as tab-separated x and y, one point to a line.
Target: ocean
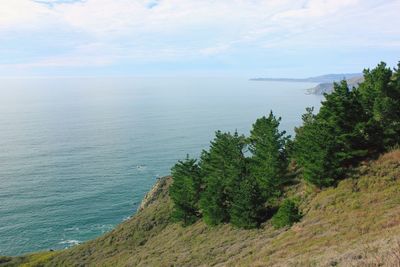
78	154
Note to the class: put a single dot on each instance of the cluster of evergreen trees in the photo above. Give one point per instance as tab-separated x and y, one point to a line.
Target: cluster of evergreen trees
351	125
230	185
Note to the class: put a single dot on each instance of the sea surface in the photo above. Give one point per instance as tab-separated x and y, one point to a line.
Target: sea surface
78	154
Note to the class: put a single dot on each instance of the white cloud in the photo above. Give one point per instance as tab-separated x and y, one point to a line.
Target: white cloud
316	9
21	13
117	30
113	18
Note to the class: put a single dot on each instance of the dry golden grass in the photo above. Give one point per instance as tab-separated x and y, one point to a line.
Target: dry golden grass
390	156
355	224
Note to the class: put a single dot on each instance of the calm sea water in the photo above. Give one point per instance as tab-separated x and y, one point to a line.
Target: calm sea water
77	155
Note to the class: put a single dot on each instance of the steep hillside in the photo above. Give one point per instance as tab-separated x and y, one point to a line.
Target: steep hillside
355	224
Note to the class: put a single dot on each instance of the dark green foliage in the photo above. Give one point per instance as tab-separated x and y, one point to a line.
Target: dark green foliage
331	141
287	214
313	148
393	120
223	167
343	114
351	125
247	208
380	97
185	191
268	164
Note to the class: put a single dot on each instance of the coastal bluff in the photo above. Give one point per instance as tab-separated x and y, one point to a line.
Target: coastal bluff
159	190
356	223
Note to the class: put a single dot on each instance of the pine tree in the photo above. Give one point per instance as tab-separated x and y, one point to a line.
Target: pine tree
343	112
331	141
380	96
312	151
248	205
393	121
269	159
223	168
372	92
185	191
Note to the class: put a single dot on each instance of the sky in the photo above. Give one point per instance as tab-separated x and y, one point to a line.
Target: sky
249	38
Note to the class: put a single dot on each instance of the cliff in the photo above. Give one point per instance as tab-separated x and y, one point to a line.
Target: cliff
356	223
159	190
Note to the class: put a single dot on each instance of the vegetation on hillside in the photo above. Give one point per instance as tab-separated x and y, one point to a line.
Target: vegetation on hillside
356	223
287	214
186	191
353	124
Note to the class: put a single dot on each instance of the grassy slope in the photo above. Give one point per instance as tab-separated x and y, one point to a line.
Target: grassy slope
355	224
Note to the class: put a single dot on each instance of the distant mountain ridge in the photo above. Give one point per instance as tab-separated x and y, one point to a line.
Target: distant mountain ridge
323	88
325	81
327	78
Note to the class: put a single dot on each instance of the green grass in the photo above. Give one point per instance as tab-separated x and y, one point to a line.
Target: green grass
355	224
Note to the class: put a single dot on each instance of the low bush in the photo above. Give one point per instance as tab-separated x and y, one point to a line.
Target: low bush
288	213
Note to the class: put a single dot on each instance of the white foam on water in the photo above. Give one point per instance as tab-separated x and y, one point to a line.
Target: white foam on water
126	218
72	229
71	242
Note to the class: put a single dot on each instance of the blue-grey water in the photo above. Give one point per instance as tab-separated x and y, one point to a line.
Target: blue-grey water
78	154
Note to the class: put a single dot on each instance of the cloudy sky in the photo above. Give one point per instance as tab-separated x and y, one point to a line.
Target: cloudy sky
196	37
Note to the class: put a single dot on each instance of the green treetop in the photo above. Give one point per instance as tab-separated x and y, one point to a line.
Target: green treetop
268	164
380	97
185	191
223	167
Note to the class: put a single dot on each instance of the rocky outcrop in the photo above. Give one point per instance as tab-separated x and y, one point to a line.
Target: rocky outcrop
160	189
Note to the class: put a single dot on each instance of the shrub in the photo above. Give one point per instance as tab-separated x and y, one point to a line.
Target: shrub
287	214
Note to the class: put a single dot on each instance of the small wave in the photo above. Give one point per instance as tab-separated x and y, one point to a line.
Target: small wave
71	242
102	227
126	218
72	229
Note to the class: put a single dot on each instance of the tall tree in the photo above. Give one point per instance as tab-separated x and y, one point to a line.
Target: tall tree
380	97
342	111
247	209
393	122
185	191
223	168
312	150
331	141
269	159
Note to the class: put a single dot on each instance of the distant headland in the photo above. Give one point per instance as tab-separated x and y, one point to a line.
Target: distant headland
325	82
